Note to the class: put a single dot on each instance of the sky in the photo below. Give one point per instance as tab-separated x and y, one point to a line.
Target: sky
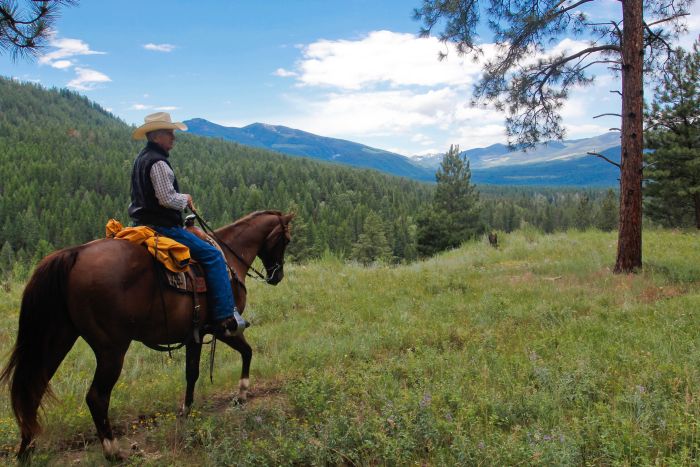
353	69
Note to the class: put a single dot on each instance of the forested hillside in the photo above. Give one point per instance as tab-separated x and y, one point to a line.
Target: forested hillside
65	165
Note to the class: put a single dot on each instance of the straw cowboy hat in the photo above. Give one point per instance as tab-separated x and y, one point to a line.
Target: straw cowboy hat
157	121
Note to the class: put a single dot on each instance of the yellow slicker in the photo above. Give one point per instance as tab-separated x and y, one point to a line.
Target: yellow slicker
175	256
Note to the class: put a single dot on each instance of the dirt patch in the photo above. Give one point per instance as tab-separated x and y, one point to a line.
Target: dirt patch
258	394
134	434
653	294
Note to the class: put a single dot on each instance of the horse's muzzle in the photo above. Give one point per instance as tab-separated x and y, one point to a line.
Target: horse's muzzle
276	277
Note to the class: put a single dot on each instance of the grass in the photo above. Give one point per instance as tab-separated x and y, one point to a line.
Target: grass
534	353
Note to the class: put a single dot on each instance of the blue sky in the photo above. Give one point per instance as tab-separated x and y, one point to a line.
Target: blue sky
351	69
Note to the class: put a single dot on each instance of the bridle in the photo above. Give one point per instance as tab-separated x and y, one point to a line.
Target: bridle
282	237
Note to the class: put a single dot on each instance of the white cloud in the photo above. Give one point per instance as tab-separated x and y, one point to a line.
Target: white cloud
87	79
422	139
375	112
568	46
65	48
475	136
61	64
385	57
25	79
584	130
163	108
284	73
159	47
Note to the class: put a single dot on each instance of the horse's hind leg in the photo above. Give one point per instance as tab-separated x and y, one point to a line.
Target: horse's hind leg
241	345
109	366
58	345
193	354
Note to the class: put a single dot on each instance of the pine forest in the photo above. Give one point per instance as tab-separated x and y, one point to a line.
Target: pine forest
65	164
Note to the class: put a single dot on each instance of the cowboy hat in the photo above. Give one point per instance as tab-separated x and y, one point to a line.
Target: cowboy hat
157	121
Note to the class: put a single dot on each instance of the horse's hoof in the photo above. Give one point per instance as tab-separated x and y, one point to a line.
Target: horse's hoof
24	457
118	456
111	450
184	411
24	454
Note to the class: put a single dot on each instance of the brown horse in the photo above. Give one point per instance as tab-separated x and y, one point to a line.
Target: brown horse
106	292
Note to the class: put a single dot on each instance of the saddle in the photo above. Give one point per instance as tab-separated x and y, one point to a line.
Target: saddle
189	281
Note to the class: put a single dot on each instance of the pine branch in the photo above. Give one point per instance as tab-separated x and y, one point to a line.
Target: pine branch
552	67
670	18
605	159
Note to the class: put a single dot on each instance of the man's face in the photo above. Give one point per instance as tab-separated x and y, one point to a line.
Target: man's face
165	139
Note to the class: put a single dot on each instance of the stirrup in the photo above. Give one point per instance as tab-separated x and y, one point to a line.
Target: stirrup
241	325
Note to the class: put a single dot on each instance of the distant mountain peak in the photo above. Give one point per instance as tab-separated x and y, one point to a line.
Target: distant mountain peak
301	143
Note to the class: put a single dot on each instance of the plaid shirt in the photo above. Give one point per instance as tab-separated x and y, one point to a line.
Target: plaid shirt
162	178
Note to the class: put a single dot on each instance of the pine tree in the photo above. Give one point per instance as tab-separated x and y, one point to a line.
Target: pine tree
673	172
300	248
432	232
608	213
455	210
583	213
372	245
7	259
43	249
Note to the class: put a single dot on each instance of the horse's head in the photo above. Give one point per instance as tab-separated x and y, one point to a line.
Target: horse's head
264	234
271	252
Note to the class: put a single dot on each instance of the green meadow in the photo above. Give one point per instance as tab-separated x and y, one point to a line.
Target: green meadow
532	353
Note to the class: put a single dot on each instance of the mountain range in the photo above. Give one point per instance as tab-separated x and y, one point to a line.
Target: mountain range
301	143
554	163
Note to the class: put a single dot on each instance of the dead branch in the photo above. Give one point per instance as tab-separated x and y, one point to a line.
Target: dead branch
605	159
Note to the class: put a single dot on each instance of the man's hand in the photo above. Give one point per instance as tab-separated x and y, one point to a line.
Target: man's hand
190	203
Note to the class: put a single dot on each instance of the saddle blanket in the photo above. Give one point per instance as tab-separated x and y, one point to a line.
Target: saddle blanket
174	256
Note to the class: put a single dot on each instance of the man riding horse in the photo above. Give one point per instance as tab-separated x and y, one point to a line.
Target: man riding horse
103	291
157	203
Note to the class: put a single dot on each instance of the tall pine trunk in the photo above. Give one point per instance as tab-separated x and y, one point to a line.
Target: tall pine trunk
696	202
629	243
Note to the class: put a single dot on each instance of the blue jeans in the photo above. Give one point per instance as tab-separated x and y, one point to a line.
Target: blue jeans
219	294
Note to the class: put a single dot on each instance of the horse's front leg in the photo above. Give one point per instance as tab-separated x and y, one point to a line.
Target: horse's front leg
109	366
239	343
192	357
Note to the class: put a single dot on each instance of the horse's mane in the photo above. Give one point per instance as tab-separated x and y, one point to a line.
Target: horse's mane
253	215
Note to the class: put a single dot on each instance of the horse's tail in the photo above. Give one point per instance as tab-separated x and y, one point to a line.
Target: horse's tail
45	336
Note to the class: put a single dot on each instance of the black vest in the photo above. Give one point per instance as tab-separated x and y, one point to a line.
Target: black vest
144	208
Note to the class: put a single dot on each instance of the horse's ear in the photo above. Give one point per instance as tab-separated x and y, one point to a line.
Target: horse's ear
288	217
